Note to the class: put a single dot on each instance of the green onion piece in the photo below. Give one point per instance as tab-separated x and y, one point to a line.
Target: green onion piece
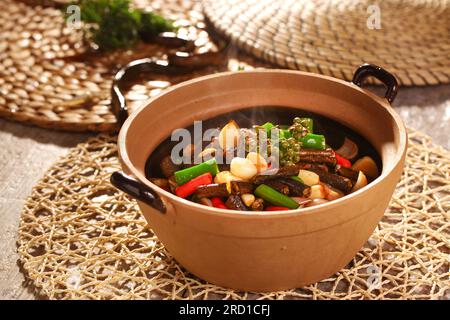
297	178
268	126
185	175
274	197
313	141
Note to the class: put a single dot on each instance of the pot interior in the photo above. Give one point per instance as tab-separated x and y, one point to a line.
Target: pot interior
334	132
340	108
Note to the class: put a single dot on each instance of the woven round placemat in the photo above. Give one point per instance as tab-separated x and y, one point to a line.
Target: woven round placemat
46	80
80	238
409	38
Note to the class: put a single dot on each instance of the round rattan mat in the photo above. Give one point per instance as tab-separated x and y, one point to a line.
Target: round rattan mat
333	36
46	80
80	238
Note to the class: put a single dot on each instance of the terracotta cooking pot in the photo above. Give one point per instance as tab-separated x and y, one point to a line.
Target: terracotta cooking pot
264	251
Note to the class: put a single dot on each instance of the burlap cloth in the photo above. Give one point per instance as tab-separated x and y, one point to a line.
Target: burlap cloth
80	238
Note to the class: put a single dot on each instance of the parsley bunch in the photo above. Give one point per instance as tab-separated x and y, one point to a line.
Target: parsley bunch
112	24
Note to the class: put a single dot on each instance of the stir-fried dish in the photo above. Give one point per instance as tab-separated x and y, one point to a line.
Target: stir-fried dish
294	168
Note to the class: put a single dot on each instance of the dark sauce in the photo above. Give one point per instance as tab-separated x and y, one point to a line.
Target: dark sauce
333	131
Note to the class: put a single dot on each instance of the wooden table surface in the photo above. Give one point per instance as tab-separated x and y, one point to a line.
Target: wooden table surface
26	152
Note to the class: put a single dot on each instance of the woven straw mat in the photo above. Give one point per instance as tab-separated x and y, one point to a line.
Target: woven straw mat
410	39
80	238
46	80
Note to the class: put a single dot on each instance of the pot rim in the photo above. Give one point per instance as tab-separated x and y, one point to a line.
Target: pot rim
401	151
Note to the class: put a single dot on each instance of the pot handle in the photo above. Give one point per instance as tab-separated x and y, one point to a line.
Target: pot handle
131	70
387	78
177	64
137	190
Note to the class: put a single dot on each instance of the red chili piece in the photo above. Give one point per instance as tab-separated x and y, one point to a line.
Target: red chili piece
189	187
343	161
218	203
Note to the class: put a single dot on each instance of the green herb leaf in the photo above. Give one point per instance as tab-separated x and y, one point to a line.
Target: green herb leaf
113	24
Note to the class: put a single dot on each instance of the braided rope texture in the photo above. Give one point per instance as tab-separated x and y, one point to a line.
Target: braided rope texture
80	238
47	79
410	38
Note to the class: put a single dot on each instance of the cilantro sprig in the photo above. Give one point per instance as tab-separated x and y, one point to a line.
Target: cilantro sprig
113	24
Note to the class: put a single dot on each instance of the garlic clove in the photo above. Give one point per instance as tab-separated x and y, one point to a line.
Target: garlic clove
225	177
317	192
308	177
248	199
228	136
258	161
243	168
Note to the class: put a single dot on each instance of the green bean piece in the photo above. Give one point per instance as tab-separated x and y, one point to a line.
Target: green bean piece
313	141
185	175
274	197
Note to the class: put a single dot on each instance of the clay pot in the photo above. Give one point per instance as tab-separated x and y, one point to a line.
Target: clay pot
275	250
